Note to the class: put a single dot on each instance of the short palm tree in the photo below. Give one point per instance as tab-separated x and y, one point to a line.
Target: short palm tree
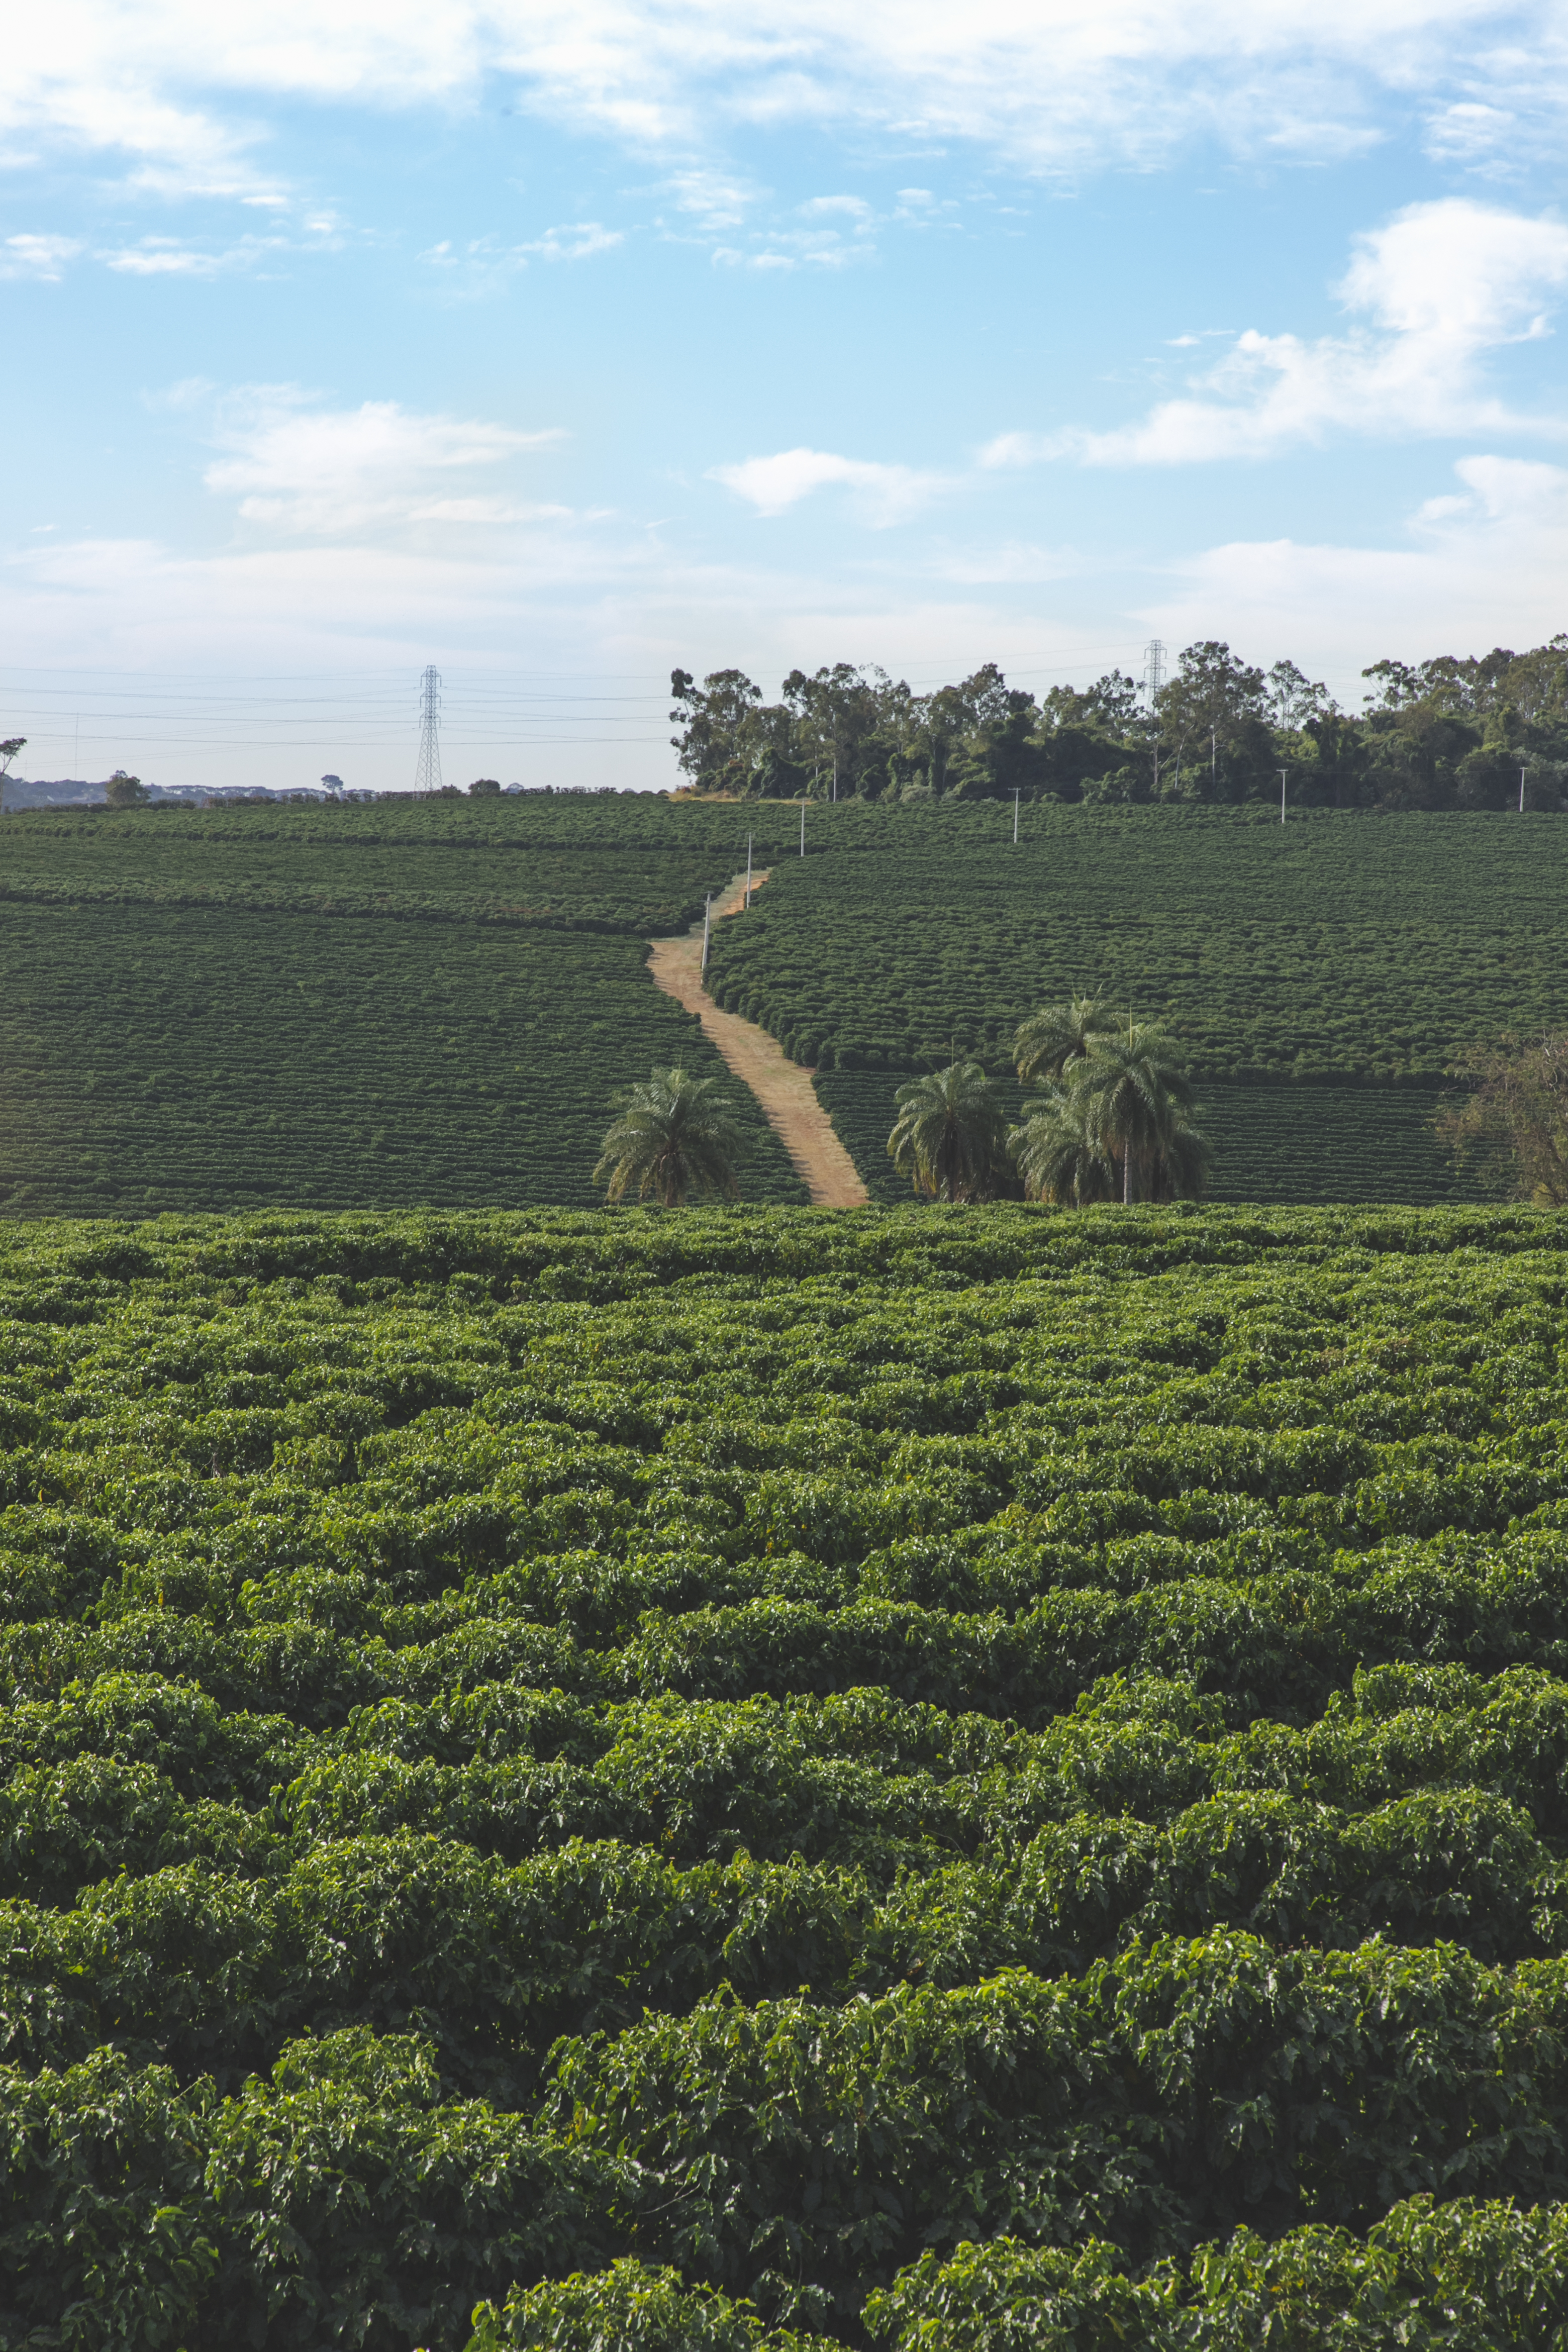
674	1135
1060	1157
1139	1101
1045	1046
950	1137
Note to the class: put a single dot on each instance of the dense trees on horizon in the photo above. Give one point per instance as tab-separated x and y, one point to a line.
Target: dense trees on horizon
1444	733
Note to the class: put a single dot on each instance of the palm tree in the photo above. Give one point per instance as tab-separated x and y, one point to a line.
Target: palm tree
949	1135
1045	1046
1059	1156
1138	1100
674	1133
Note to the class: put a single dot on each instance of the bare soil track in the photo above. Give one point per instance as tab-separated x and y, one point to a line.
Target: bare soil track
782	1088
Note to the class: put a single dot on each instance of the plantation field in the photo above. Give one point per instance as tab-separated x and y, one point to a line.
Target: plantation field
956	1775
160	1057
378	1005
434	1002
1345	946
1285	1144
354	861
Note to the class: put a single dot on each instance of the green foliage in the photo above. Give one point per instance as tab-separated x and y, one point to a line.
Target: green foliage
1466	2274
674	1135
631	2308
432	1000
949	1137
1345	948
680	1780
342	1004
1118	1118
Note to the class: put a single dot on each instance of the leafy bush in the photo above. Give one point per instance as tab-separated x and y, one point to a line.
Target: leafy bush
682	1779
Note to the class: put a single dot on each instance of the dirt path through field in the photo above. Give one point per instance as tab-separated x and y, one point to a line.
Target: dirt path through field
784	1089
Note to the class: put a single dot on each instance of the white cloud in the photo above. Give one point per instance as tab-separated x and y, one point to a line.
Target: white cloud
37	256
1483	568
482	264
838	231
716	199
316	472
165	257
575	242
1443	284
1053	84
855	208
885	494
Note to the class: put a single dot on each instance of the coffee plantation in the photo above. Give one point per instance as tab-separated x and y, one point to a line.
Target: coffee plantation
436	1002
432	1004
774	1779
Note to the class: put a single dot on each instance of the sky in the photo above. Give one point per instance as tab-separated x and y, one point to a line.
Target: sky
558	345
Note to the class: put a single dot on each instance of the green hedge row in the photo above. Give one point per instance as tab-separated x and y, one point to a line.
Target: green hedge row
1467	2275
796	2155
686	1773
135	1772
210	1971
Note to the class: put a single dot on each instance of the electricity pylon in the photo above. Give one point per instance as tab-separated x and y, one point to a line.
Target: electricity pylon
427	774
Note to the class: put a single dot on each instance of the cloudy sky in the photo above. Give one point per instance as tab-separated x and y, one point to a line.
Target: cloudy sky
557	344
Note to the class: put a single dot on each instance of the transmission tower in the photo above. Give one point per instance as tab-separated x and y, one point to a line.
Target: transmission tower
427	774
1153	680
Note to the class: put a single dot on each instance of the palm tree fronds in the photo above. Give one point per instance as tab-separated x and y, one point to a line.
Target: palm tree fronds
675	1134
1045	1046
950	1137
1119	1121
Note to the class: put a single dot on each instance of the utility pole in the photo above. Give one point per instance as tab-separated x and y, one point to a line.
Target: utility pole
707	927
1281	796
1521	788
428	773
1214	763
1015	816
802	828
748	871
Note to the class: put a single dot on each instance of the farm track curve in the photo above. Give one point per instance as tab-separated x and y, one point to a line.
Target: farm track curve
782	1088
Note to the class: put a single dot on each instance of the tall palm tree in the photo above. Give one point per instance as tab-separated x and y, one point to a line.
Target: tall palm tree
674	1135
1059	1156
1045	1046
950	1136
1138	1100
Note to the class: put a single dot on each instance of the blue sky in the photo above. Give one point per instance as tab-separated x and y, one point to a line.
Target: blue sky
557	345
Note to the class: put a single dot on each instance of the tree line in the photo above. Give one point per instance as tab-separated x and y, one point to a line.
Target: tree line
1484	732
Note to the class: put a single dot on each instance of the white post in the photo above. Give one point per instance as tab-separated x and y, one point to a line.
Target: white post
802	828
748	870
707	927
1014	817
1281	796
1214	762
1521	788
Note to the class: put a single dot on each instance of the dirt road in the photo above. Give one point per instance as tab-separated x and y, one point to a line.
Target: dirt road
784	1089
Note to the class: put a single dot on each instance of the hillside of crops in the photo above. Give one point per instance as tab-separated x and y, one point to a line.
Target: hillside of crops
381	1005
778	1778
433	1001
163	1058
426	861
1344	947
